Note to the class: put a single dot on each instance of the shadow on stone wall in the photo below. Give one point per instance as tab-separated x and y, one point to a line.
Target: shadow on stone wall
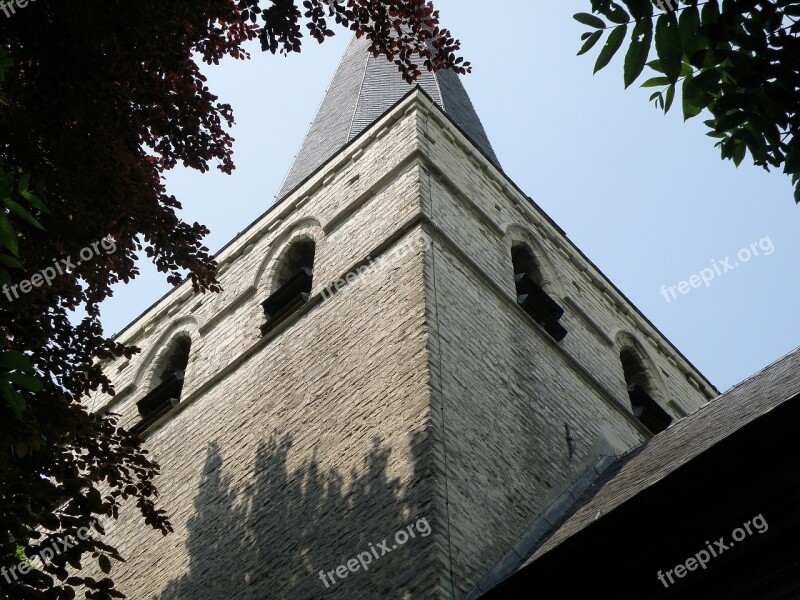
270	536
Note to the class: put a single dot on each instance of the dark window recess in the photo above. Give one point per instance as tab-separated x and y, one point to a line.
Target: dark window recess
287	298
162	399
539	305
647	410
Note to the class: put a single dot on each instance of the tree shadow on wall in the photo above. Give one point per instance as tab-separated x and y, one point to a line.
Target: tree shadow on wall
270	536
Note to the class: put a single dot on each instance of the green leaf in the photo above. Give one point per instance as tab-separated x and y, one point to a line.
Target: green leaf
636	57
34	201
23	214
739	152
699	92
670	98
690	105
23	183
686	69
726	148
618	15
668	46
640	9
755	141
9	261
590	20
614	41
659	99
26	381
6	183
8	236
710	14
13	360
689	25
699	58
656	82
708	80
731	121
13	398
792	164
590	42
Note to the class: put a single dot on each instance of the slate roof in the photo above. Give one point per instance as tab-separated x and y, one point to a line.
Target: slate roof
362	90
677	445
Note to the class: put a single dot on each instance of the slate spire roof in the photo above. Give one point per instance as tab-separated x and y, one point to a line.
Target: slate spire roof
362	90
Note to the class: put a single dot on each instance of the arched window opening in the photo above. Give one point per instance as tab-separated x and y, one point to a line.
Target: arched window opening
647	410
525	263
531	295
168	385
293	281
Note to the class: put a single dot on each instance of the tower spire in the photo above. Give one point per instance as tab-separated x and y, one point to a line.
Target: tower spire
362	90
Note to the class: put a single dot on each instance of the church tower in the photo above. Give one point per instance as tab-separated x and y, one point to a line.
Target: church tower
410	374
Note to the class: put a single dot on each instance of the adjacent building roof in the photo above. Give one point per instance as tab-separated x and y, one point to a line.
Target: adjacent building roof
644	528
362	90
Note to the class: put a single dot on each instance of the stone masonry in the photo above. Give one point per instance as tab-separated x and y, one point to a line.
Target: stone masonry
419	390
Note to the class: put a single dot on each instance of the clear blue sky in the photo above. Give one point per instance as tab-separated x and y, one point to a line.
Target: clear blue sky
645	196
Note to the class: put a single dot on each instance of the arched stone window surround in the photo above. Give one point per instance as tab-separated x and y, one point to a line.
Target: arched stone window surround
309	230
625	340
629	349
162	351
518	235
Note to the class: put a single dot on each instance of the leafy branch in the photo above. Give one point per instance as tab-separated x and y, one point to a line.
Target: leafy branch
740	62
16	369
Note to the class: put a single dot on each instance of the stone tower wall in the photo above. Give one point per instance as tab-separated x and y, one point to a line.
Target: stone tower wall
420	390
297	452
503	390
